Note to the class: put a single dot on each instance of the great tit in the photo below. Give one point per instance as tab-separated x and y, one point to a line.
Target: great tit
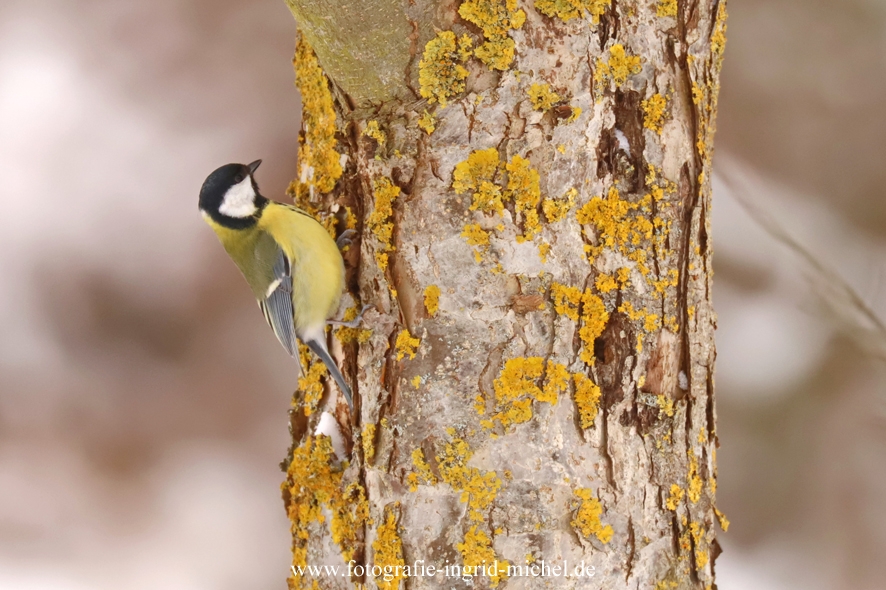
293	266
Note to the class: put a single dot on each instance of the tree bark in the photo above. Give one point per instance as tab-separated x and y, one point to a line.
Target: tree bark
534	378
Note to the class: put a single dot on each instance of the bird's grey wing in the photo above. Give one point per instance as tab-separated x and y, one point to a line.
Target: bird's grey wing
277	304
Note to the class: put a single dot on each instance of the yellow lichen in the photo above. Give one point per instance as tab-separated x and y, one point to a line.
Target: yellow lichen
557	209
388	550
651	323
665	405
721	518
586	520
670	322
556	382
314	486
672	279
666	8
478	556
624	226
476	175
440	73
587	399
427	122
705	97
516	388
406	345
495	18
623	276
379	221
432	299
576	113
350	219
318	161
416	381
311	382
476	236
616	69
478	488
627	308
610	219
480	404
698	536
374	131
543	250
605	283
542	97
424	473
566	300
674	497
368	439
654	111
685	539
569	9
718	37
695	482
594	318
523	188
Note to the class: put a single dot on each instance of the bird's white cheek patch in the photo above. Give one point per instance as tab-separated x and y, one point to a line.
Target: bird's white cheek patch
239	201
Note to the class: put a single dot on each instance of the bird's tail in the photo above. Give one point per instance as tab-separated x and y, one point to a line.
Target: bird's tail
318	346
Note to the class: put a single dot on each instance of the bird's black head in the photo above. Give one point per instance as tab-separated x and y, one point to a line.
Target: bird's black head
230	197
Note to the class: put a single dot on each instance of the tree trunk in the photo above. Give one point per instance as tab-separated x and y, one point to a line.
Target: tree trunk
534	379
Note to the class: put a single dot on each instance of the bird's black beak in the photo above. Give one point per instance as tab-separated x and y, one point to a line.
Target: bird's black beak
254	166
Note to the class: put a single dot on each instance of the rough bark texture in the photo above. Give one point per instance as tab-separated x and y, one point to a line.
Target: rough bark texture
534	380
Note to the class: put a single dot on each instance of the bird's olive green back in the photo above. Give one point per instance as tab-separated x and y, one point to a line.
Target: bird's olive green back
254	251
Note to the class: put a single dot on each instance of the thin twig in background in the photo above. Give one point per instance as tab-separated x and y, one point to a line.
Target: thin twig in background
845	308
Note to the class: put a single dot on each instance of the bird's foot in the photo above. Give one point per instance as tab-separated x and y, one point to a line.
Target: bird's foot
350	323
345	238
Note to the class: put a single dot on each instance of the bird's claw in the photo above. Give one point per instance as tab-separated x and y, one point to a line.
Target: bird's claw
345	238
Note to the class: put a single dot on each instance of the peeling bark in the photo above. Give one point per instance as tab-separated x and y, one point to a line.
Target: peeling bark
559	402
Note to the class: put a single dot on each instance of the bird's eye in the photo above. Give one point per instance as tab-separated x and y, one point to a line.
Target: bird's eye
238	178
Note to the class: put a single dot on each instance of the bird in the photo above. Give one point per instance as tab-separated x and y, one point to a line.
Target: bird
291	263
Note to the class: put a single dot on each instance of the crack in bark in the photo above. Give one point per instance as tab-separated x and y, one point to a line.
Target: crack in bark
604	447
389	382
413	52
470	118
484	381
683	20
709	410
629	562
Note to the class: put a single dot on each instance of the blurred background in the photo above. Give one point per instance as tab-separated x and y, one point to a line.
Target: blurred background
143	405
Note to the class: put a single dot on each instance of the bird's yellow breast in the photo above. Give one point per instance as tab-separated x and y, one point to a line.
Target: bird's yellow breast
317	266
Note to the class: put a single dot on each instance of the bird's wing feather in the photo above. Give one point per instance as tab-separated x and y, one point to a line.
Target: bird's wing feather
277	304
